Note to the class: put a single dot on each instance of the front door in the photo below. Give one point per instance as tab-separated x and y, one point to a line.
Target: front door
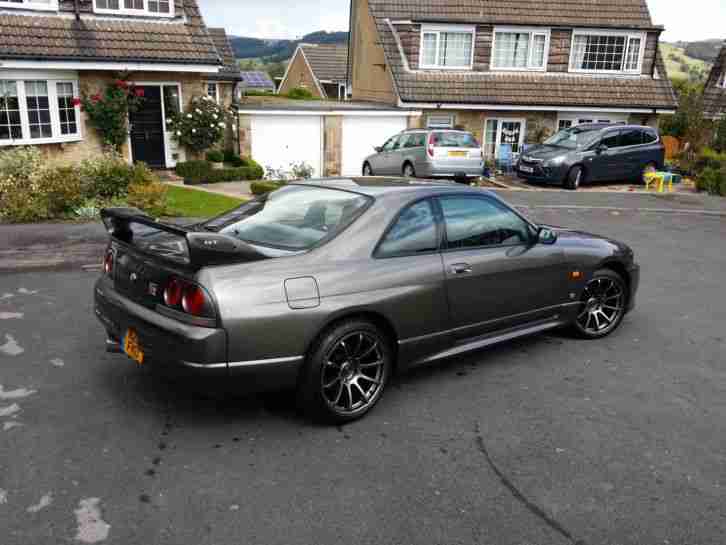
497	276
147	129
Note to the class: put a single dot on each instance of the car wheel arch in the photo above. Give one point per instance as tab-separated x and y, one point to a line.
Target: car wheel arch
620	269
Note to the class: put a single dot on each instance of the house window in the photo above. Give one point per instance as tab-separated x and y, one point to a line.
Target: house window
162	8
212	90
564	124
38	112
40	5
606	52
503	132
520	49
440	122
447	47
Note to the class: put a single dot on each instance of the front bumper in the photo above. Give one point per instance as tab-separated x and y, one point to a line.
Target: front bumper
540	173
180	350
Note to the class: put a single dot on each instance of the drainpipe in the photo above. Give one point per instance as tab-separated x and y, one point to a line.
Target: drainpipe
77	6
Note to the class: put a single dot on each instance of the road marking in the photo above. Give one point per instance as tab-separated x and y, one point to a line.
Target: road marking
25	291
9	411
3	496
91	527
6	296
7	426
11	315
57	362
44	502
11	347
20	393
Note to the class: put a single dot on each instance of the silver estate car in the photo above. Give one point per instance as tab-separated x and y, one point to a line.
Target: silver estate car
329	286
440	153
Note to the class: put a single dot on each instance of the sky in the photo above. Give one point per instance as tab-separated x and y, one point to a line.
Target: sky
289	19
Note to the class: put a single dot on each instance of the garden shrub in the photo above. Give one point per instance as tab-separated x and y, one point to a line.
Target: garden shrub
710	158
215	156
713	181
60	190
265	186
107	176
194	171
299	93
202	125
149	197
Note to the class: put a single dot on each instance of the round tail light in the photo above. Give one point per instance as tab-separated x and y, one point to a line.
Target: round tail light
194	301
173	293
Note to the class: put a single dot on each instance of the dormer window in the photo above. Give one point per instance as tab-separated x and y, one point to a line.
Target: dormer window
38	5
520	48
447	47
609	52
159	8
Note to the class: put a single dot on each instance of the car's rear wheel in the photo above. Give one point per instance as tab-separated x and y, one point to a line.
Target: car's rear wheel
367	170
650	168
575	177
602	305
409	171
346	371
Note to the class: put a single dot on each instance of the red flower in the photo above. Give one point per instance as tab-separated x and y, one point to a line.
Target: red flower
121	84
76	102
96	98
139	92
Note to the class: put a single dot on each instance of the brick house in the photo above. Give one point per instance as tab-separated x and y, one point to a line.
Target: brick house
510	72
715	92
51	50
321	69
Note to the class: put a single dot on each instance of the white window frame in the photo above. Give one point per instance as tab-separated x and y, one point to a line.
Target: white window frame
532	31
216	90
577	118
51	82
642	36
138	12
31	5
438	30
448	125
498	136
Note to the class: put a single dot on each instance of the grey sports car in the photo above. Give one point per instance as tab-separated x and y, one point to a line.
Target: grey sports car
330	286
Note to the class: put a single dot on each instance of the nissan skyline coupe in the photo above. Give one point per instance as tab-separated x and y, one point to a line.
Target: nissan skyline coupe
327	287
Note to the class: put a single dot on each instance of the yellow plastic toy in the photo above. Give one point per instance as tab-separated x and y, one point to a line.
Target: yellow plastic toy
658	180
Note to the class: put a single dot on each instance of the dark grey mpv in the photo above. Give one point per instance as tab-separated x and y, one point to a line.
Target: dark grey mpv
594	152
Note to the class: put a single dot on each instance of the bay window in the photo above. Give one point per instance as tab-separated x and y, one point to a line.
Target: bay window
161	8
520	49
40	5
38	111
447	47
607	52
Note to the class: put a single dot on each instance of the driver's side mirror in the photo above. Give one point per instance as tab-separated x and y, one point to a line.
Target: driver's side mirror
378	149
546	236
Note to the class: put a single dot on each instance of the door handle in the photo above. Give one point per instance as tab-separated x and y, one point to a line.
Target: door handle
460	268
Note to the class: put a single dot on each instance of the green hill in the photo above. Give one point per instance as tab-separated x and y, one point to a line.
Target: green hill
682	66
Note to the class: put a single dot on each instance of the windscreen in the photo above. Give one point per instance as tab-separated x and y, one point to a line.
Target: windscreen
292	218
454	140
573	138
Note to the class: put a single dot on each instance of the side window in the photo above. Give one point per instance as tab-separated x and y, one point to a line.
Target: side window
631	137
413	233
610	139
391	144
415	140
472	222
649	136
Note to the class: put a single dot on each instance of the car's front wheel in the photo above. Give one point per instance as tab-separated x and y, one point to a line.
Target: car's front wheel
602	305
574	178
367	170
346	371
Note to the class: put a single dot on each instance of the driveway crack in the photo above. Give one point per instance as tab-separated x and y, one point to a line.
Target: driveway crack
519	495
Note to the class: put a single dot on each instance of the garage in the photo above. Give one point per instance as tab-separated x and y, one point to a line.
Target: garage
363	133
281	140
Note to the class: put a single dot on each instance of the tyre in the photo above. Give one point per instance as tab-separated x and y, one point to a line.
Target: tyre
648	169
367	170
602	305
346	372
574	178
409	171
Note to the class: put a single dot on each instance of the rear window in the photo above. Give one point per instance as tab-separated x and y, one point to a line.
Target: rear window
294	218
454	140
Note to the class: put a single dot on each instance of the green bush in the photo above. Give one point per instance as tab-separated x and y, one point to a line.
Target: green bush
299	93
149	197
106	176
194	171
215	156
230	156
719	140
710	158
235	174
61	190
265	186
713	181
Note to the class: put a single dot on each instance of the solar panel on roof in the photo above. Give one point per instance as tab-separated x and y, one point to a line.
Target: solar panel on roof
257	79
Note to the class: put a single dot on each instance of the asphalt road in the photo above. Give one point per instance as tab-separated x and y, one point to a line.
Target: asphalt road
546	440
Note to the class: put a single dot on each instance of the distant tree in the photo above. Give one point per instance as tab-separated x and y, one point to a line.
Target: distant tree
688	123
719	143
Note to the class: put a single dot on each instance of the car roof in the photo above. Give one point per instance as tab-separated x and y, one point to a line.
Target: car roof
377	186
603	126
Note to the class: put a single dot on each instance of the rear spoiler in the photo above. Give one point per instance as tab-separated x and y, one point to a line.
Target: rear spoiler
202	248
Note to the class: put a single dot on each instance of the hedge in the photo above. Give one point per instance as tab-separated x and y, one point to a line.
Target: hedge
200	172
265	186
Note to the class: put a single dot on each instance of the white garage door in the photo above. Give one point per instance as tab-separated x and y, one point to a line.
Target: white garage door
279	140
361	134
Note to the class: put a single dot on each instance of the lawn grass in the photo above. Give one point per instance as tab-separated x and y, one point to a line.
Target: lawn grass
192	203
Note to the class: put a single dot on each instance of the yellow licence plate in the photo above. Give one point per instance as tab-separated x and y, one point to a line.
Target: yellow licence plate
132	347
458	154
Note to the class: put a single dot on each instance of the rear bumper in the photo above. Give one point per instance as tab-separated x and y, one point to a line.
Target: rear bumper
180	350
451	169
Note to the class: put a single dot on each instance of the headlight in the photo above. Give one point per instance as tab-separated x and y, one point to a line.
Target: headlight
557	161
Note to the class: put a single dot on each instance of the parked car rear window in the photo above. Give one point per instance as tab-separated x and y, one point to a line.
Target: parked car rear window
631	137
573	138
649	136
293	218
454	140
414	232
